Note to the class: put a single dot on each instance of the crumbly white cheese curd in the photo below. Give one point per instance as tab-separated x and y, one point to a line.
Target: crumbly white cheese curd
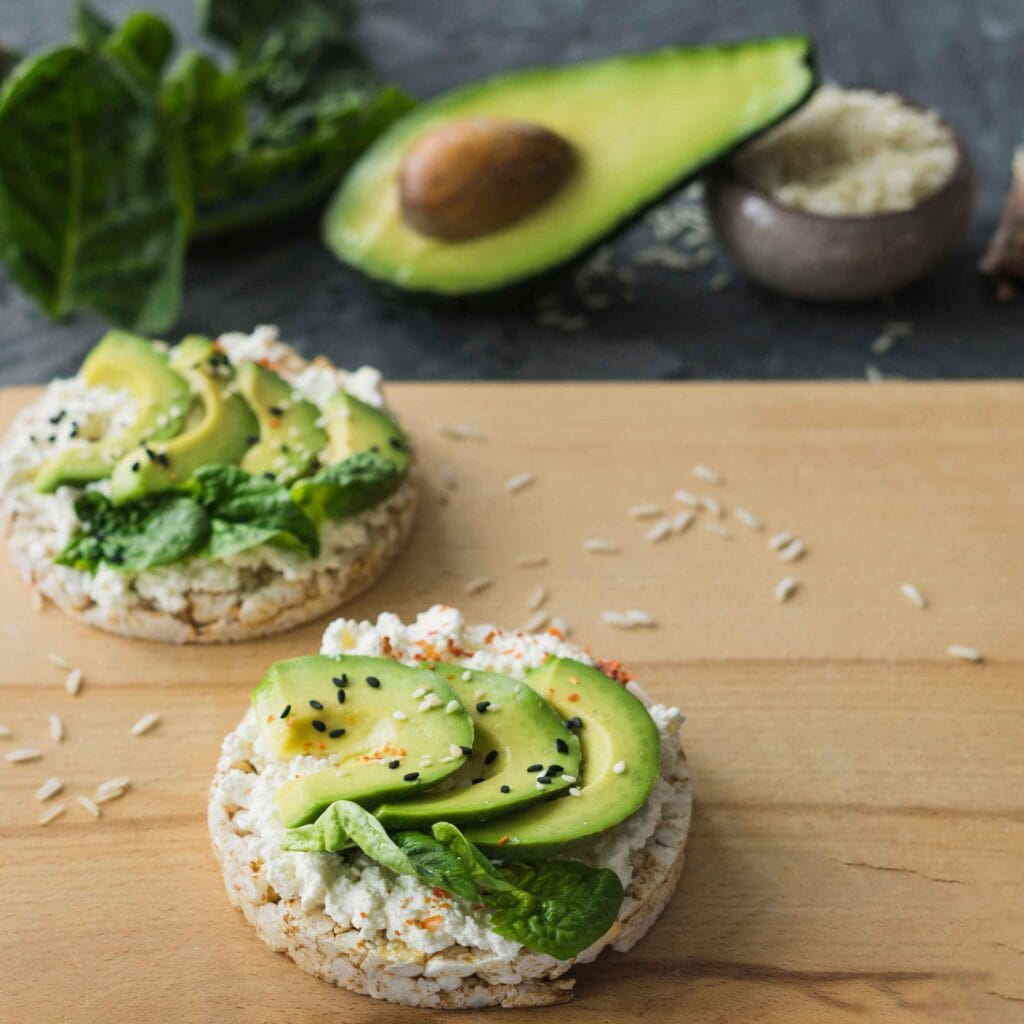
355	892
70	412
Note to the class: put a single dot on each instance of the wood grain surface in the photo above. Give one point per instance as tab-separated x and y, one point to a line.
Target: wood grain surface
858	845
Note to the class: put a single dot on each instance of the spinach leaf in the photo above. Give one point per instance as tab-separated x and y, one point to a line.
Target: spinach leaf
143	44
94	204
249	510
346	488
572	905
435	864
140	535
91	29
482	871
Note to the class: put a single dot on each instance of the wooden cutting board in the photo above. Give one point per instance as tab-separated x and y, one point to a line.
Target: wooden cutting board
857	852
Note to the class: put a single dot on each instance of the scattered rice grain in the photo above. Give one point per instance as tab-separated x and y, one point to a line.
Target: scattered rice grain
718	529
51	787
682	521
73	683
965	653
911	593
56	728
659	531
60	661
706	473
536	622
780	540
536	598
748	518
638	617
709	504
474	586
23	754
786	588
53	812
145	723
792	551
599	546
646	510
687	498
88	805
516	483
531	561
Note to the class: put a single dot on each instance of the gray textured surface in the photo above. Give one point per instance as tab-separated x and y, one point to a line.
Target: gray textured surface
963	58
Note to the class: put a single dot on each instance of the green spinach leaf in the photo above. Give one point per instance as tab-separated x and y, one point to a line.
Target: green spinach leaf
94	200
137	536
346	488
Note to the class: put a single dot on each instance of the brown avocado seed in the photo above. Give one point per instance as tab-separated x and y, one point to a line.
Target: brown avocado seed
476	176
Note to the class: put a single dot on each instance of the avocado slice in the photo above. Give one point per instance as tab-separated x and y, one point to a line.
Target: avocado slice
516	731
128	361
639	124
390	729
219	429
289	437
356	426
616	730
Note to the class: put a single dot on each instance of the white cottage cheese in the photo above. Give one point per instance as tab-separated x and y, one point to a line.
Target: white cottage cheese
355	892
69	413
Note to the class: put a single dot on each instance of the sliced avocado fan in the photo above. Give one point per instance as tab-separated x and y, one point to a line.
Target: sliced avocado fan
122	360
356	426
639	125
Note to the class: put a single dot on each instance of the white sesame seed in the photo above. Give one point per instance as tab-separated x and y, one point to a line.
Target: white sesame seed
56	728
419	692
682	521
145	723
706	473
51	787
430	701
452	707
785	588
648	510
618	619
467	675
531	561
659	531
780	540
792	551
73	683
638	617
399	716
455	750
619	767
88	805
536	622
479	695
516	483
561	625
426	761
536	598
687	498
600	546
60	661
53	812
568	778
748	518
575	791
4	731
23	754
709	504
965	653
872	373
447	759
474	586
718	529
911	593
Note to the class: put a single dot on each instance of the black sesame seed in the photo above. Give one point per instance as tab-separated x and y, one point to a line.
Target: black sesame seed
316	705
561	746
341	696
269	475
394	764
284	447
251	438
56	419
543	780
398	444
275	410
52	438
164	459
287	711
574	723
74	430
150	452
336	733
341	680
554	769
491	755
319	726
374	447
535	768
506	789
483	705
373	681
135	466
466	750
475	781
410	776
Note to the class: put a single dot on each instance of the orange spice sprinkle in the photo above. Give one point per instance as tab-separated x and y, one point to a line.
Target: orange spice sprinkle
503	840
362	913
439	892
573	697
431	923
555	632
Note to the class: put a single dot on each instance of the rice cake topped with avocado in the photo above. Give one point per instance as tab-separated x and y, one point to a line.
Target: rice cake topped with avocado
450	815
217	490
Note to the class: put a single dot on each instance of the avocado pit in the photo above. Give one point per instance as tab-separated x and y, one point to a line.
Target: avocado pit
478	175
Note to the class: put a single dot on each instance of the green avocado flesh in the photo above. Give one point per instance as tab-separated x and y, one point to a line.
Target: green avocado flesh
355	426
375	756
222	432
515	730
639	124
289	438
122	360
616	728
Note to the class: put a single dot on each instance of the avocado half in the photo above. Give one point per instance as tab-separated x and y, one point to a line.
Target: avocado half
641	125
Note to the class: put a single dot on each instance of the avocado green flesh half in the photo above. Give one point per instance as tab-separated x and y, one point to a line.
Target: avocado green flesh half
514	730
289	438
222	433
616	728
640	125
122	360
355	426
285	702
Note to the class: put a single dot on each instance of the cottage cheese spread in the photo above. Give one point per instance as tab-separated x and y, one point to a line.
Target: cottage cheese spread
70	412
358	894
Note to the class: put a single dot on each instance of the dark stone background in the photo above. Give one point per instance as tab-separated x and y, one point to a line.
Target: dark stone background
961	56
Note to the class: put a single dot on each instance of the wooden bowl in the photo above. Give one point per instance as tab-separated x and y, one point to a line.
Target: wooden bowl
838	259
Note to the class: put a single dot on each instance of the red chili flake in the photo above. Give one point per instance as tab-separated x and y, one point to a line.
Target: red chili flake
362	913
438	892
555	632
385	646
573	697
490	636
614	670
503	840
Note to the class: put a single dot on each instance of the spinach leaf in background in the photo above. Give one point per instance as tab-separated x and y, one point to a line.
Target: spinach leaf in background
346	488
141	535
572	905
143	44
250	510
94	201
90	28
